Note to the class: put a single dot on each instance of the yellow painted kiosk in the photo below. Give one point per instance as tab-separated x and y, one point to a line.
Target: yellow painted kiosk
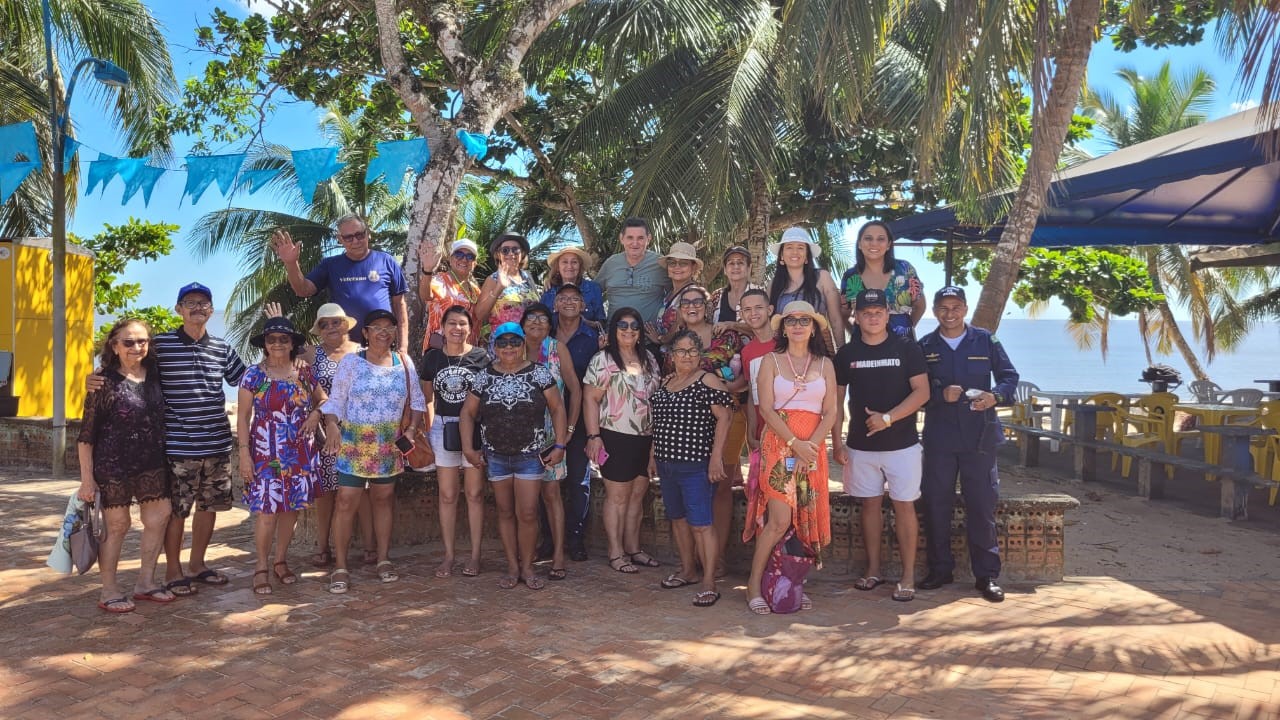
26	326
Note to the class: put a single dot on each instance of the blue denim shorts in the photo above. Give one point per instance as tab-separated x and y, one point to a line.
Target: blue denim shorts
686	491
521	467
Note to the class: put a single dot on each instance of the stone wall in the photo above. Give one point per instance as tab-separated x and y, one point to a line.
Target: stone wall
27	444
1030	531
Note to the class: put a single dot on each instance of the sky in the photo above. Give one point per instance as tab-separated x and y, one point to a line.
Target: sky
294	126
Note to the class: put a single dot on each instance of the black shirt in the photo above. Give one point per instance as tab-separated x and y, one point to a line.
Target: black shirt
450	377
878	378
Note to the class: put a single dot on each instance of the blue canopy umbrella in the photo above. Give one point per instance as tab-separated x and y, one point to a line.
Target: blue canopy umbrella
1212	184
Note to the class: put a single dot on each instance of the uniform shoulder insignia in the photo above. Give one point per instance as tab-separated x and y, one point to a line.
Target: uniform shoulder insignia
995	340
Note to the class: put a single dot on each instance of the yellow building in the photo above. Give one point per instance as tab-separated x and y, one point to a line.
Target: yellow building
26	323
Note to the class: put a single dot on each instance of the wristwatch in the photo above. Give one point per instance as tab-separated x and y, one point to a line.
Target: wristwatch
887	418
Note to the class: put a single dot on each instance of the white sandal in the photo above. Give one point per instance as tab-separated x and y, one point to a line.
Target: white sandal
758	606
336	586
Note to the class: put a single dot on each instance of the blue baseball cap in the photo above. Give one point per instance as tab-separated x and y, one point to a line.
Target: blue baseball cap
194	287
870	297
508	328
948	291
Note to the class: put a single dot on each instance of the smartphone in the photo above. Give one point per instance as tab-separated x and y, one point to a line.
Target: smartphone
547	453
601	457
404	444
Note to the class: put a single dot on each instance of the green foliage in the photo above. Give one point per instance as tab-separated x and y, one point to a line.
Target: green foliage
1163	23
1085	279
114	248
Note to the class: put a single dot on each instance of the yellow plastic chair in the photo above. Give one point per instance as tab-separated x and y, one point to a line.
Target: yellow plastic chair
1110	427
1151	418
1266	449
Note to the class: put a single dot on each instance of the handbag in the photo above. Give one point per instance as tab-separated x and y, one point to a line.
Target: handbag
87	533
453	437
421	456
782	585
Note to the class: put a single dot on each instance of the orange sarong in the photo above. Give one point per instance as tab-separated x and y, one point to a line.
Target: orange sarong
803	489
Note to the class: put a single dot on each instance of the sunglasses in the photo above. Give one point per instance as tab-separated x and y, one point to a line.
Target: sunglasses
632	325
463	256
330	323
797	321
508	341
131	343
278	340
510	250
353	236
381	330
696	302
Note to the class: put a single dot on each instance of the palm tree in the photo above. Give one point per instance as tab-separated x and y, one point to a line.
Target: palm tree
246	232
1156	106
122	31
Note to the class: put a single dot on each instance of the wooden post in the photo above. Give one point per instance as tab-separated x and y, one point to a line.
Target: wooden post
1234	498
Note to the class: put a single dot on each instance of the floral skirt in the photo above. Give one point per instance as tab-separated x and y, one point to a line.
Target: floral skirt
804	490
280	492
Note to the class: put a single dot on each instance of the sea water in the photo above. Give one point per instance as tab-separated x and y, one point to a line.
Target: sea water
1045	353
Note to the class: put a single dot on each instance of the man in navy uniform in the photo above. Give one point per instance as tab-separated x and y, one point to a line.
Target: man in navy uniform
960	437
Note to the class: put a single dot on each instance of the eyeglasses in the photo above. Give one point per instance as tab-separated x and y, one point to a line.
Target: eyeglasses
538	320
278	340
686	352
465	257
381	329
508	341
353	236
131	343
696	302
574	299
510	250
632	325
797	321
680	263
197	305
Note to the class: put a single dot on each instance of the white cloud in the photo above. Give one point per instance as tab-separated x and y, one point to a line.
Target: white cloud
261	7
1246	105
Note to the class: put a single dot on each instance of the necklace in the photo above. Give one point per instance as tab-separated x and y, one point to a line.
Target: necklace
798	377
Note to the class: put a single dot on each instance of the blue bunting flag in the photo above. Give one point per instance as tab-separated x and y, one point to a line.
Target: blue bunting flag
19	139
143	177
392	159
11	176
255	180
203	170
313	167
101	171
69	148
476	145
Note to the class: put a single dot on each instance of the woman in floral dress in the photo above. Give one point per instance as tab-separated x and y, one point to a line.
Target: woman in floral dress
276	420
875	267
615	397
510	289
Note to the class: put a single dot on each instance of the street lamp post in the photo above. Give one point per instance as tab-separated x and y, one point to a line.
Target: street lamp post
108	74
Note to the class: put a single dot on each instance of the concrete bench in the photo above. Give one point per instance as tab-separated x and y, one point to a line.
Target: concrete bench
1031	531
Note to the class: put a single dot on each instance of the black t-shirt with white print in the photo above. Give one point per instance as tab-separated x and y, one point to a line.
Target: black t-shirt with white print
878	378
450	377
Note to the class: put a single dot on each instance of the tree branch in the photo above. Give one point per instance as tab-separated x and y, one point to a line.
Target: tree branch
401	77
530	24
500	175
585	228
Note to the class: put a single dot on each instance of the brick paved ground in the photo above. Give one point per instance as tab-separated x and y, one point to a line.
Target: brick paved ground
606	645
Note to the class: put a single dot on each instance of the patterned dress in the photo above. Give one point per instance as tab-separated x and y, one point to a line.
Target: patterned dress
324	368
369	401
447	291
285	462
549	355
903	288
512	300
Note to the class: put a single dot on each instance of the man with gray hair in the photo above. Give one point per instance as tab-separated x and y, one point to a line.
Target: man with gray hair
361	279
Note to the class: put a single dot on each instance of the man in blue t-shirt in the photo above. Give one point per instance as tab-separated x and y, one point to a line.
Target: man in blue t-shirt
361	279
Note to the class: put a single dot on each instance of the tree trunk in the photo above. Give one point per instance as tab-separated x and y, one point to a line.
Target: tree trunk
758	225
1144	331
1171	324
1049	123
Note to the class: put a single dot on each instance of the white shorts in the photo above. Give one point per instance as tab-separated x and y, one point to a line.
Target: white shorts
445	458
867	472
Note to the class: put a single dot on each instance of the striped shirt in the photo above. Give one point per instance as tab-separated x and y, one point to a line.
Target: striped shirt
191	377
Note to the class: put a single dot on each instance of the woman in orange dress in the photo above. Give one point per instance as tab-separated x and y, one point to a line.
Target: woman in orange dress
798	405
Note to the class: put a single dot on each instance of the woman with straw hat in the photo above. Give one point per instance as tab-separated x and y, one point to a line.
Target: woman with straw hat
684	268
569	265
798	405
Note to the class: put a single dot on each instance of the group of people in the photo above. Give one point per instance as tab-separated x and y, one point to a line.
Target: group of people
640	371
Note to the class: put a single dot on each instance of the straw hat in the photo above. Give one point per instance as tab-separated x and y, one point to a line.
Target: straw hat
796	235
583	257
332	310
799	307
682	251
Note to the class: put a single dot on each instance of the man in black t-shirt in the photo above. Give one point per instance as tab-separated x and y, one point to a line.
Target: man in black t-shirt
887	382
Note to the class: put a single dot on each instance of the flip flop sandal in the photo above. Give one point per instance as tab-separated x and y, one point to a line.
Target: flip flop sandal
706	598
324	558
153	596
557	574
336	586
805	602
871	582
758	606
210	577
533	582
264	587
181	587
674	581
445	570
902	594
471	570
506	582
387	572
646	561
116	606
625	568
288	578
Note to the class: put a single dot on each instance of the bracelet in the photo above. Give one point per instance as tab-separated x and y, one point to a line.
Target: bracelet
557	446
593	436
428	274
792	441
